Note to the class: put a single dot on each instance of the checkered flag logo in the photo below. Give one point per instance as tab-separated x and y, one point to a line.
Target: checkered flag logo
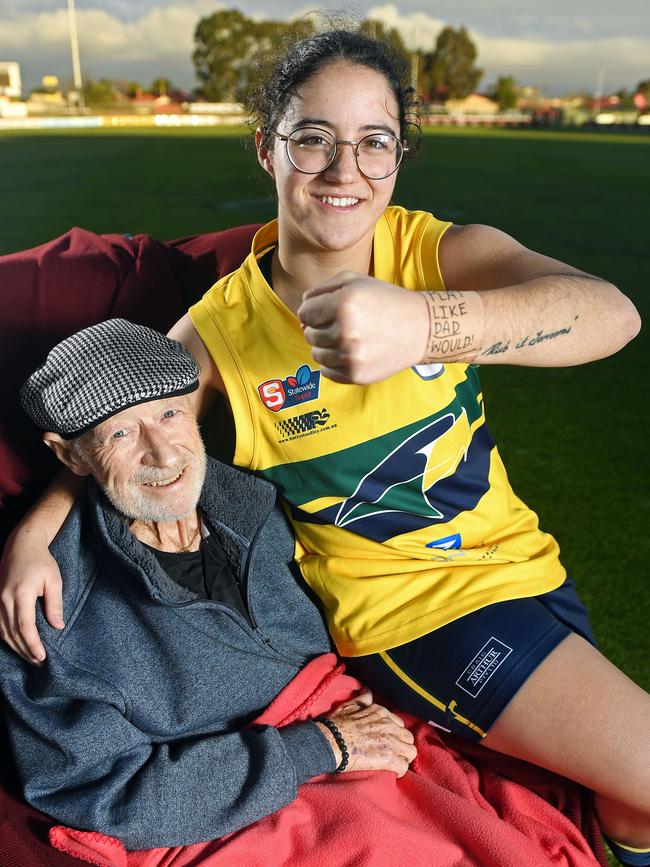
302	423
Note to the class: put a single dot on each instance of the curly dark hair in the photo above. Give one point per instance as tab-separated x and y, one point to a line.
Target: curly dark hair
268	98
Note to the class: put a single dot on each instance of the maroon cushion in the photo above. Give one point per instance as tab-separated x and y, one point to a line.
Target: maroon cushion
46	294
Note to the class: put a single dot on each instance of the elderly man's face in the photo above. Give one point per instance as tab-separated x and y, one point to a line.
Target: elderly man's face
149	459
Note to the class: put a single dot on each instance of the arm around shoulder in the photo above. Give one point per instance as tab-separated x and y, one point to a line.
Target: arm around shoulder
28	570
210	380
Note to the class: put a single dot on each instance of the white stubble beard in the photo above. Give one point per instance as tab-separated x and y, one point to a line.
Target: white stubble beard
137	505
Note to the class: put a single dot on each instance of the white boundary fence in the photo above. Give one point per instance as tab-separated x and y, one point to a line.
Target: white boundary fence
116	121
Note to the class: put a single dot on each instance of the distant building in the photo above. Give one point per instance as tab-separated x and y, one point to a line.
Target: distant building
529	92
46	103
475	103
10	83
149	103
235	109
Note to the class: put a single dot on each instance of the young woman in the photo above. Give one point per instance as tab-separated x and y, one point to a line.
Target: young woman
347	345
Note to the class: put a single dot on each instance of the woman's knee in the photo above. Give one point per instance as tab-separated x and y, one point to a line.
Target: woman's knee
622	824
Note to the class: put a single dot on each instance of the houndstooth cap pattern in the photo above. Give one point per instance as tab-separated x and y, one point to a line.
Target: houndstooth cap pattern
103	370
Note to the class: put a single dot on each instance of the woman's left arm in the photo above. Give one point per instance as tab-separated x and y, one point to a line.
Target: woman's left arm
504	304
536	311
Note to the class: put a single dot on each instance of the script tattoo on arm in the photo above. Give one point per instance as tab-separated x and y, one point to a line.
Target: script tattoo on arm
535	339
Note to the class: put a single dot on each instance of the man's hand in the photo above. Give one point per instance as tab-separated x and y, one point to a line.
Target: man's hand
376	739
28	571
363	330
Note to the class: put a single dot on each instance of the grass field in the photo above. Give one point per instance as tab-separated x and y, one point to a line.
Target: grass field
571	438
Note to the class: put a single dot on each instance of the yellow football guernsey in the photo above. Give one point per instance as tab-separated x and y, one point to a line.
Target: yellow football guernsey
402	509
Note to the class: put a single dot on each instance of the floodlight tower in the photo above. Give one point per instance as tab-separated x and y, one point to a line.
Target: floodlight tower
415	60
600	90
74	47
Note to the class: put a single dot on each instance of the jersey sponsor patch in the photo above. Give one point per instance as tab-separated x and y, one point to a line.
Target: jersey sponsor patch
446	543
294	390
304	425
483	666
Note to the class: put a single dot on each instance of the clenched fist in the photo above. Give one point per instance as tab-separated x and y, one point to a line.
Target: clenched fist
363	330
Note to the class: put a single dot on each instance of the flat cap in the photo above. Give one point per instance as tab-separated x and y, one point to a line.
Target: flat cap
103	370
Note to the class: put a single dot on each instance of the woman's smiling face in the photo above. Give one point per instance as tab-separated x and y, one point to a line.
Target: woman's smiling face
350	101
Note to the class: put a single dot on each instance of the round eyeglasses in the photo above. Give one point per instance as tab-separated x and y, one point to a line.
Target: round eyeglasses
312	150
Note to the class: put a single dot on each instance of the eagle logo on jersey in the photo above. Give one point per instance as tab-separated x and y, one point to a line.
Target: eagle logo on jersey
426	457
431	476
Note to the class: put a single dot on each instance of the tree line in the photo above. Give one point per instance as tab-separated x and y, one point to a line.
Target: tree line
229	47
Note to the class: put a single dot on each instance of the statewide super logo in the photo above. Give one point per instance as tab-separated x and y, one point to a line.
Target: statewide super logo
303	386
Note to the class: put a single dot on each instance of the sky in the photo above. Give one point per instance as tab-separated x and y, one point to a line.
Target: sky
558	45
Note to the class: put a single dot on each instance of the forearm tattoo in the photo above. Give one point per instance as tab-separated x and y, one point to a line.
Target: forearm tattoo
453	321
529	340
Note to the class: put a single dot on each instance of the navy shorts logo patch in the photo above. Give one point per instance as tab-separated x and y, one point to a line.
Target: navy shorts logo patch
483	666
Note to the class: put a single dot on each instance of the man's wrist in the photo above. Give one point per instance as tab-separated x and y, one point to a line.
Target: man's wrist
309	750
331	741
334	730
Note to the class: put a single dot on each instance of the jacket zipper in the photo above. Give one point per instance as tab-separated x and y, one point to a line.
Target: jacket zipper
244	581
244	573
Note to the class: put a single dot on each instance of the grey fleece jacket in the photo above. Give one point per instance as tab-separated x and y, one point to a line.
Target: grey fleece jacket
137	723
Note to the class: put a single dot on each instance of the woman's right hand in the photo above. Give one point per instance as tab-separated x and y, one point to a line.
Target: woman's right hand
27	571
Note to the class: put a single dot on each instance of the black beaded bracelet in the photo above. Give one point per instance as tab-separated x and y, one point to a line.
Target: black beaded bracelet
340	742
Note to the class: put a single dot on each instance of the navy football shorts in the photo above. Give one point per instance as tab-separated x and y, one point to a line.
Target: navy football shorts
461	676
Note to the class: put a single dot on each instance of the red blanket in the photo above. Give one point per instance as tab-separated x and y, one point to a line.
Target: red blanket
459	805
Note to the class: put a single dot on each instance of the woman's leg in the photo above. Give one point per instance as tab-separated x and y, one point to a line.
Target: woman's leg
517	677
577	714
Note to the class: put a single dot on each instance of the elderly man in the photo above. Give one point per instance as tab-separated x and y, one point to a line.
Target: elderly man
183	618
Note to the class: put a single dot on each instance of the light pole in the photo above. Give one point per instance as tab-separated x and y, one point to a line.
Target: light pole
415	69
415	60
600	89
74	47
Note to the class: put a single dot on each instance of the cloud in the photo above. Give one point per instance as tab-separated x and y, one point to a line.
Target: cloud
601	52
417	29
156	38
557	65
165	30
561	65
554	19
